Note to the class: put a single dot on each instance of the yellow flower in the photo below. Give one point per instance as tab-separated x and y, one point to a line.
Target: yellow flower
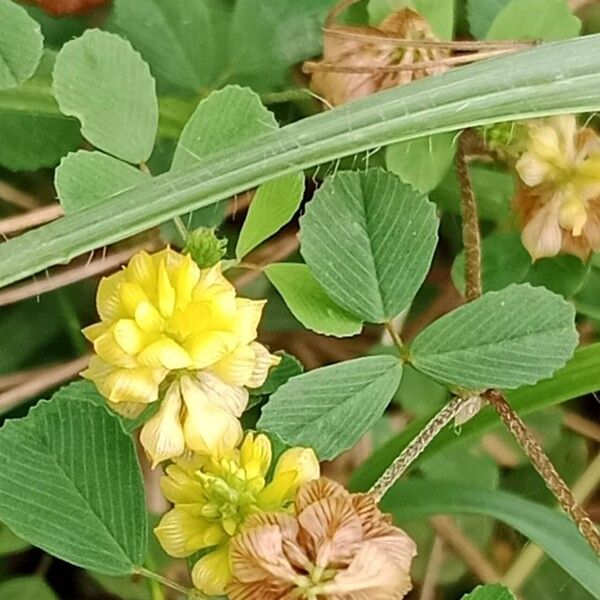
559	202
169	329
214	497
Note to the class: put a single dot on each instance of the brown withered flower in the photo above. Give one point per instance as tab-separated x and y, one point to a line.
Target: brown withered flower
338	546
359	61
558	195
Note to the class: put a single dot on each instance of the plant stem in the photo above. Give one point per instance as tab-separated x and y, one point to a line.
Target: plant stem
187	592
545	468
182	230
415	448
471	235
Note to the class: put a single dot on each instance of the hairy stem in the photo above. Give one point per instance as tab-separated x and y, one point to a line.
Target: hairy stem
415	448
545	468
471	235
187	592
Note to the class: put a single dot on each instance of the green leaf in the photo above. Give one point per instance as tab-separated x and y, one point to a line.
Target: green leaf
39	133
439	13
21	45
70	483
544	526
564	274
9	542
222	121
553	78
289	32
579	377
85	178
331	408
183	42
504	261
482	13
309	303
273	205
588	297
422	162
490	592
369	239
504	339
22	588
100	79
126	588
535	20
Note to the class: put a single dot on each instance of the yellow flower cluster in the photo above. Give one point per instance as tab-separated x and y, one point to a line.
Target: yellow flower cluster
170	329
214	498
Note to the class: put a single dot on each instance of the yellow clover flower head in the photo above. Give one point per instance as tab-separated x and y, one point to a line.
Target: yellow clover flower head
213	497
171	330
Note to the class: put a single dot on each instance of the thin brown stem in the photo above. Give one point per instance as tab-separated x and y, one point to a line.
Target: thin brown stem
414	449
173	585
545	468
465	549
456	45
41	381
311	67
32	218
337	10
11	194
582	426
434	567
102	264
471	234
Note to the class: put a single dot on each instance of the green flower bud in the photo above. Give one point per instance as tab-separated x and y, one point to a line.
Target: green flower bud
205	247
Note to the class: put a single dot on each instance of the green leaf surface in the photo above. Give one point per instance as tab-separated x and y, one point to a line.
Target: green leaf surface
21	45
564	274
580	376
39	133
182	41
422	162
26	588
70	483
100	79
481	14
544	526
439	13
331	408
534	20
554	78
309	303
493	591
85	178
369	239
222	121
504	339
289	32
273	206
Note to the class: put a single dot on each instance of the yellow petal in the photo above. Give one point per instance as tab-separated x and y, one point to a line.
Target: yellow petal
148	318
166	292
234	399
108	301
247	318
132	294
236	368
186	279
108	350
93	332
208	429
573	215
302	461
180	533
264	361
130	337
256	455
141	270
208	348
532	170
542	236
129	410
179	487
165	353
212	572
134	385
98	371
162	435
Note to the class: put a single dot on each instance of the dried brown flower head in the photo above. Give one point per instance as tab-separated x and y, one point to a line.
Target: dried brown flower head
338	546
359	61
